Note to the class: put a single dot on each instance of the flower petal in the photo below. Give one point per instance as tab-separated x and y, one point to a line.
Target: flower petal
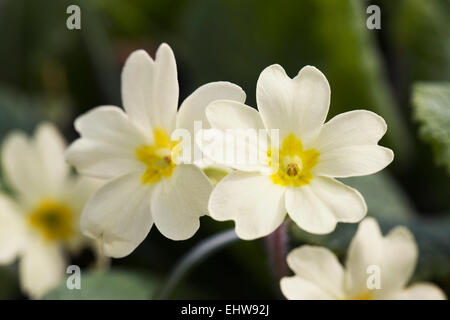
353	161
296	288
353	128
400	259
366	249
395	255
298	105
50	146
179	201
36	166
137	88
319	266
193	109
420	291
227	114
165	90
24	169
12	230
238	138
107	145
150	89
41	268
118	215
16	153
251	200
317	207
348	145
110	125
308	211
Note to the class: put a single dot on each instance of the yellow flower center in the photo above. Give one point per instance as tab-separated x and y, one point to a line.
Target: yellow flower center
158	157
54	220
294	163
362	296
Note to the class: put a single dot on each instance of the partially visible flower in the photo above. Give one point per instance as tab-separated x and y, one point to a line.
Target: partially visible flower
40	224
295	175
393	258
135	150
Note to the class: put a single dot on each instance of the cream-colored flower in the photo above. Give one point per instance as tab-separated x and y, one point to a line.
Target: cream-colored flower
40	224
377	267
311	154
136	152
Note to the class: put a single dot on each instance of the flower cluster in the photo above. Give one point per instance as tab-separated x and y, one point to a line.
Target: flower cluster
282	159
135	151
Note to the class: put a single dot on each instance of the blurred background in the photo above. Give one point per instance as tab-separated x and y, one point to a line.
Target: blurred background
401	71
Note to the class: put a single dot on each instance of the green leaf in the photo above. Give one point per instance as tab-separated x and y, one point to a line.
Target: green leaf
432	110
110	285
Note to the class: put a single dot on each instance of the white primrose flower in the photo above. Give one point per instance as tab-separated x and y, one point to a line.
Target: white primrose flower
377	267
142	153
294	171
40	224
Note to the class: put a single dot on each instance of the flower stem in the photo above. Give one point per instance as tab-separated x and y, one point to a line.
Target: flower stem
276	244
194	257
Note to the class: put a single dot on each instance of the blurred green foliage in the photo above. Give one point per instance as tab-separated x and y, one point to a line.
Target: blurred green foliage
331	35
52	73
384	197
432	109
18	111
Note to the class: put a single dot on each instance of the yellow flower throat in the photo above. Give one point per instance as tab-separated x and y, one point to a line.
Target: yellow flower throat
294	163
158	157
363	296
54	220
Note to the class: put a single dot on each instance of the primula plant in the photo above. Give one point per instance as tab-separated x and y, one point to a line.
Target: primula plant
258	164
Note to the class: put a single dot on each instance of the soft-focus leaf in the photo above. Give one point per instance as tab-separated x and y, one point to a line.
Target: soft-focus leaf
432	109
110	285
420	39
384	197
